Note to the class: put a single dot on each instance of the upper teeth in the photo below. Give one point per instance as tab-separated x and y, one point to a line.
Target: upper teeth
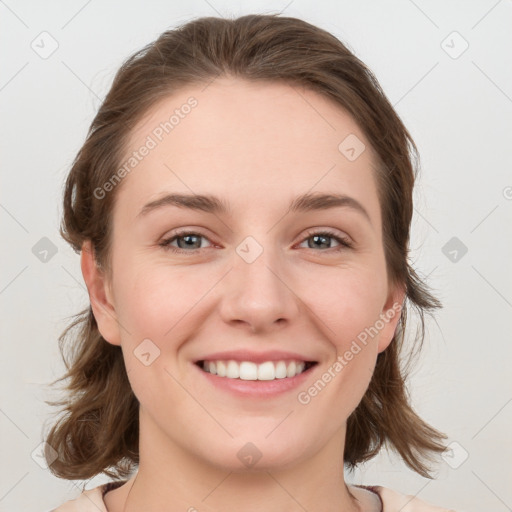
247	370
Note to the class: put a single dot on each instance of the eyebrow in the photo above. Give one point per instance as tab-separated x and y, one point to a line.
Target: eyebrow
212	204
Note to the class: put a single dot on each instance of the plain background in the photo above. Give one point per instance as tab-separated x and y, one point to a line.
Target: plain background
457	104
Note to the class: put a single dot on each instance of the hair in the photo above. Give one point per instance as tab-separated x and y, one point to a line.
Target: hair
99	430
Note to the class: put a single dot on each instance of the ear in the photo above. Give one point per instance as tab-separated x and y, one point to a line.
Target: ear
390	315
100	295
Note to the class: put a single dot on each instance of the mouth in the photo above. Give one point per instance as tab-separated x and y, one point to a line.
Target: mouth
251	371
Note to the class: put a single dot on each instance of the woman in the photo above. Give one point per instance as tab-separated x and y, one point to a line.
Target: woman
242	206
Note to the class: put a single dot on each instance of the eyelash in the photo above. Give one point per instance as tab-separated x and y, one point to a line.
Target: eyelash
345	243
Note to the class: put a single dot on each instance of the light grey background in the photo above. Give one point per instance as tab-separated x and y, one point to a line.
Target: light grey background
458	108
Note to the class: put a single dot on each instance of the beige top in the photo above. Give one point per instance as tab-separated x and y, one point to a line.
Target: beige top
371	498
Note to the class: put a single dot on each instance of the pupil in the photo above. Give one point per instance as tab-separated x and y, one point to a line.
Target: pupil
188	240
320	237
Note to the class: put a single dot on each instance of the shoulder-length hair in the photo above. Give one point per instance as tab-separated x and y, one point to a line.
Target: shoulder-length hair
98	432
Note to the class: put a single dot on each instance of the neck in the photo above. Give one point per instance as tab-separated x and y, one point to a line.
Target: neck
172	479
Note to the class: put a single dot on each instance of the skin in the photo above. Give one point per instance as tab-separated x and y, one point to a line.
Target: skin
257	146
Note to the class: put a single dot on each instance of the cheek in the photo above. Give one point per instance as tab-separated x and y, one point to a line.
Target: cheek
154	305
349	302
352	310
154	300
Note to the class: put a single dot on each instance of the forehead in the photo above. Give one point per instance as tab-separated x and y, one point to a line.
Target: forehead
233	136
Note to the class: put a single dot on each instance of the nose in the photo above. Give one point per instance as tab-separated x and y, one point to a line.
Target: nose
259	295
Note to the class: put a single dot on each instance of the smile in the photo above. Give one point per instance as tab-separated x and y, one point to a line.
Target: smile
248	370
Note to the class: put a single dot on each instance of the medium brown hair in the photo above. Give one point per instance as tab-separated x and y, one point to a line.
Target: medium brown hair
98	432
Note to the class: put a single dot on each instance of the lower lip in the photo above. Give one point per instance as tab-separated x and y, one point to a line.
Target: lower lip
257	388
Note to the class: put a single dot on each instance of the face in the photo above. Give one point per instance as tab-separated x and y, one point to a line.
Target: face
266	278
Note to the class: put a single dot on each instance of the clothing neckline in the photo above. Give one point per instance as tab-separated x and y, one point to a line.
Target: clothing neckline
110	486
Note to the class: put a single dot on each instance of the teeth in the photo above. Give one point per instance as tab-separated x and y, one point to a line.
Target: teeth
232	370
267	371
247	370
281	371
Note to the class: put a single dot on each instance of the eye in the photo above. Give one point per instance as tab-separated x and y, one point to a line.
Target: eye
189	241
185	239
321	238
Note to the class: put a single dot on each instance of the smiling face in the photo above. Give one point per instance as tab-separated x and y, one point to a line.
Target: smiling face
252	271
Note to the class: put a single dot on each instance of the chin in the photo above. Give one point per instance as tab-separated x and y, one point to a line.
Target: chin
246	456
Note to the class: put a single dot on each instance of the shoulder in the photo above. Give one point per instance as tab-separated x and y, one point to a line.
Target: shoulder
87	501
394	501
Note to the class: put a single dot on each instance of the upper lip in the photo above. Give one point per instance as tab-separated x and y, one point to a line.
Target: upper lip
255	357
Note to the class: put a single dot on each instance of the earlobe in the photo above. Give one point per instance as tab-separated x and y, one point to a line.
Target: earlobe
99	295
390	316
